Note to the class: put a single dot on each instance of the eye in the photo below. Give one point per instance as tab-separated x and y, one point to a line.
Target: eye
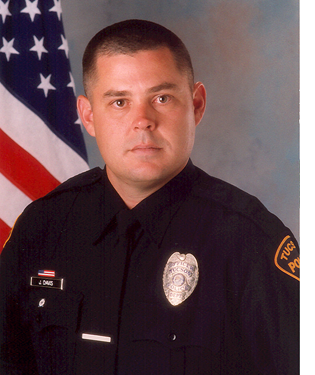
120	103
162	99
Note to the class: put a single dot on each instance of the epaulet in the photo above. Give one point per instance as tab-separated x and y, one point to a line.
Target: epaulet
77	182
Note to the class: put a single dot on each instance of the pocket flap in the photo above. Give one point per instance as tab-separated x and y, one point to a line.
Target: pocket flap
45	308
199	326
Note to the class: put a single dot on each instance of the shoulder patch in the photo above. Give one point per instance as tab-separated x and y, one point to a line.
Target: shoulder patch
287	258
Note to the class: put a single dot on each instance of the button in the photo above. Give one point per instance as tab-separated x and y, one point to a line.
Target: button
172	337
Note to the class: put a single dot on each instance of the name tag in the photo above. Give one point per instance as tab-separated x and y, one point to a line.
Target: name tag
87	336
47	282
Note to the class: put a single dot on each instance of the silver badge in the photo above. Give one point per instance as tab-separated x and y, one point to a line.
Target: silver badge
180	277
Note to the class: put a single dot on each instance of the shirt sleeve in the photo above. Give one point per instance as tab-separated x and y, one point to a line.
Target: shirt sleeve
16	355
269	309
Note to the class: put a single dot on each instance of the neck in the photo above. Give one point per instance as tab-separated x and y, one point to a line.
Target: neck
133	193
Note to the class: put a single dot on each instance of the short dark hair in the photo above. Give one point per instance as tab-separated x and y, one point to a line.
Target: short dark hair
129	37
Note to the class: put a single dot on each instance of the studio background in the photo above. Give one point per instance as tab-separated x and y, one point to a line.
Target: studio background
246	54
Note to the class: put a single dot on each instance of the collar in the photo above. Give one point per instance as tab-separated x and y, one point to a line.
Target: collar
156	211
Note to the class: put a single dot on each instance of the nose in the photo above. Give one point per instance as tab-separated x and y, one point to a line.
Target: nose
144	118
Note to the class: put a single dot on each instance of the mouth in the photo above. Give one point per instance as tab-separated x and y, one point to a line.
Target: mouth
146	149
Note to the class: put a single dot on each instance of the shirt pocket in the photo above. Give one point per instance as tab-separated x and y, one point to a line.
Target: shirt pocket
51	308
52	318
179	326
203	354
206	328
176	339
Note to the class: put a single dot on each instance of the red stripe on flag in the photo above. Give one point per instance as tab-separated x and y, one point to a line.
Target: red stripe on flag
23	170
4	233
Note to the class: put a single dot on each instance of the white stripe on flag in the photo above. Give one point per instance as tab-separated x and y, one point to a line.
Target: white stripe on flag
13	203
32	134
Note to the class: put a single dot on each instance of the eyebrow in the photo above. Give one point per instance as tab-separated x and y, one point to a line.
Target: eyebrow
162	86
114	93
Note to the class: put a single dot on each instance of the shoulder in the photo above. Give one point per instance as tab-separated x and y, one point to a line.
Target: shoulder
51	209
61	197
82	180
230	198
253	215
69	188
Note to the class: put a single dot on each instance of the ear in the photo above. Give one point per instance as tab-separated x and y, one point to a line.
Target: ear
86	114
199	101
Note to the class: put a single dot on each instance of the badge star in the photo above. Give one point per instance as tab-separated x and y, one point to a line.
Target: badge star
45	84
8	48
56	8
31	9
64	46
39	47
4	10
71	83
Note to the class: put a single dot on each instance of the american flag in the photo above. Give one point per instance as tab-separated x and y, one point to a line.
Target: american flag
46	273
40	132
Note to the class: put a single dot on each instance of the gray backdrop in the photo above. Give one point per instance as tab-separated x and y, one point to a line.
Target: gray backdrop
246	54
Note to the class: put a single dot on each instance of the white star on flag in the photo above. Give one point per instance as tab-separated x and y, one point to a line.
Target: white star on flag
79	122
64	45
56	8
71	83
8	48
31	8
39	47
45	84
4	10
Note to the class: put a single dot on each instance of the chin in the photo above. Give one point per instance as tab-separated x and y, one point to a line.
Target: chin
151	175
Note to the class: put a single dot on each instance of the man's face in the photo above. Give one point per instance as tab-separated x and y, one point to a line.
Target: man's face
143	114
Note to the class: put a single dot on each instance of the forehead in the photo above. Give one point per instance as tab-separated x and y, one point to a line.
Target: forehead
143	65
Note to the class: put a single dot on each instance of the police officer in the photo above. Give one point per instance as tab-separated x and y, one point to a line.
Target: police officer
149	266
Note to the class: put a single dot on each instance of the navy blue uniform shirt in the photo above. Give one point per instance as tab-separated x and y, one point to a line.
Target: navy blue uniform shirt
82	283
